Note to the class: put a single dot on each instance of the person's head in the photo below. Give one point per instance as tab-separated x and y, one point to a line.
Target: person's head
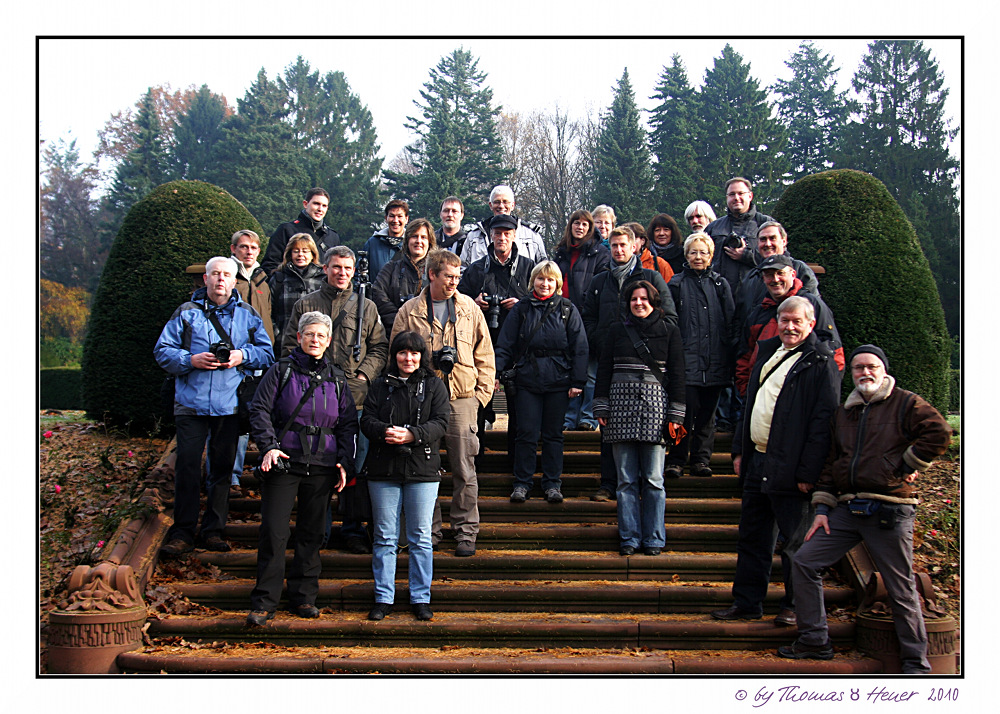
546	278
338	264
300	251
796	319
419	239
699	214
778	275
663	230
245	247
771	239
314	332
739	194
869	367
698	250
579	228
220	279
622	244
641	242
444	270
503	230
408	353
502	200
642	298
316	203
397	213
452	213
604	220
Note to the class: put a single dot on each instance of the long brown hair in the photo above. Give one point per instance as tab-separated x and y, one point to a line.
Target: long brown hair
567	238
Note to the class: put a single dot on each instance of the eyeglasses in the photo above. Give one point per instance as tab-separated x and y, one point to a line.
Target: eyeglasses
315	335
449	278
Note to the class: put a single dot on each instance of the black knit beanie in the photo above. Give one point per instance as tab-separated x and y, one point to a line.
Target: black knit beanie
870	349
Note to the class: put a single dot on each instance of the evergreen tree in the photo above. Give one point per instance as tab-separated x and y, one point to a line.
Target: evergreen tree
197	132
812	108
337	138
458	150
675	134
624	175
740	136
258	159
900	135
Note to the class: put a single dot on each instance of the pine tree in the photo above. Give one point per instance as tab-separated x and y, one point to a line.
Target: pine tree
258	159
812	108
197	132
338	141
900	135
624	175
740	136
675	134
457	150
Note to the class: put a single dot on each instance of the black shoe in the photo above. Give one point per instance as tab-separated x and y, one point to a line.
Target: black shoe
259	618
357	545
216	544
799	650
519	495
701	470
735	612
380	610
603	494
626	550
673	471
422	611
176	547
785	618
465	548
587	426
307	611
652	551
554	495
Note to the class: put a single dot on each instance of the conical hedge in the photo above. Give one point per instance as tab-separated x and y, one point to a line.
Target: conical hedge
878	282
143	282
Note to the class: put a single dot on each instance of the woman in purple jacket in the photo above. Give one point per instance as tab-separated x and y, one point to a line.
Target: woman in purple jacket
305	423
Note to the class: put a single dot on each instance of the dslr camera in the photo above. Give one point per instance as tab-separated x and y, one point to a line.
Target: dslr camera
733	241
493	310
444	359
222	351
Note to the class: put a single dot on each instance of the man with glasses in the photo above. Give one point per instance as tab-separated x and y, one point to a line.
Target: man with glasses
455	330
735	234
529	241
773	240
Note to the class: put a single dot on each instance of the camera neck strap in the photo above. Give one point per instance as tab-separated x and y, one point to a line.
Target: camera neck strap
452	315
315	379
213	317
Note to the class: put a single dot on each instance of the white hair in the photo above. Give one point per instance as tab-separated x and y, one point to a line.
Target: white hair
216	259
501	189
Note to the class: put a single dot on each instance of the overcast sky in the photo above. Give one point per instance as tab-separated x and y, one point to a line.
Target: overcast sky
84	81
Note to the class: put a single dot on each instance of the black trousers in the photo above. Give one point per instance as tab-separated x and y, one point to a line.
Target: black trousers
699	420
311	486
191	434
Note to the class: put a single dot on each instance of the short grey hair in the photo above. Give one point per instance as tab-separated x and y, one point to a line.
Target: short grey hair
339	251
501	189
699	207
774	224
797	302
315	318
216	259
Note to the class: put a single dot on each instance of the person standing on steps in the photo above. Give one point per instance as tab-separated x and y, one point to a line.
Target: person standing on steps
310	220
384	245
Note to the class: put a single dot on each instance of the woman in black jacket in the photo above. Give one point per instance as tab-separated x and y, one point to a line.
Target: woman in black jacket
299	273
544	345
639	402
666	240
706	315
406	413
405	275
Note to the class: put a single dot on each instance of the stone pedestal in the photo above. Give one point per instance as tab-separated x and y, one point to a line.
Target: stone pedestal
876	636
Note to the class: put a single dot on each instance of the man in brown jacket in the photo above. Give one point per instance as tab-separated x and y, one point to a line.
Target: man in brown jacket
880	437
456	332
251	280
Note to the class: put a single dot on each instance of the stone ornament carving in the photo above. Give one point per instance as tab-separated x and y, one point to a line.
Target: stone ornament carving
105	587
876	598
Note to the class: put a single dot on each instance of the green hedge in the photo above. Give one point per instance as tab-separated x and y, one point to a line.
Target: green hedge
878	282
176	225
59	388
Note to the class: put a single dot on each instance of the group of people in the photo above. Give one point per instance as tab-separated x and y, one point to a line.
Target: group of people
636	331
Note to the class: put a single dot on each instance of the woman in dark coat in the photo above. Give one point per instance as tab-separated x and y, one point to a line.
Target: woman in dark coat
639	408
299	273
406	413
706	316
304	420
543	341
405	275
666	240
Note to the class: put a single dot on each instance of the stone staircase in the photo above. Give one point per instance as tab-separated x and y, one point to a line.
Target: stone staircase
546	592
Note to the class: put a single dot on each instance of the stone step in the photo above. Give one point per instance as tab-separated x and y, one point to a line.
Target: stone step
451	595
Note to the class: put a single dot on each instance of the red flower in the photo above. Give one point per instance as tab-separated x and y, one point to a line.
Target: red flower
58	488
933	532
47	435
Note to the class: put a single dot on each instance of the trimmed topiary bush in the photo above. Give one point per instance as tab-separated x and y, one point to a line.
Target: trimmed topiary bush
176	225
59	388
878	282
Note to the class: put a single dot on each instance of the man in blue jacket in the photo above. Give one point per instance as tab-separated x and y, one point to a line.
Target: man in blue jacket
204	362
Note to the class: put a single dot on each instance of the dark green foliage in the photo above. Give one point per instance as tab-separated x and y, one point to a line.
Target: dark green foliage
624	174
458	150
676	132
955	402
59	351
812	108
197	132
740	137
59	388
878	282
178	224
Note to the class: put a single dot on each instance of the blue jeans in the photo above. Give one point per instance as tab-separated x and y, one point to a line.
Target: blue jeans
241	453
416	500
581	408
641	498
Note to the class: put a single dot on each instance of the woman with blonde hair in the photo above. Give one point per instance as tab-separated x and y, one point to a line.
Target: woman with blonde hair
299	274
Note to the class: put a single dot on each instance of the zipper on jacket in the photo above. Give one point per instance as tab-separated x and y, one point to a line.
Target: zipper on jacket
862	423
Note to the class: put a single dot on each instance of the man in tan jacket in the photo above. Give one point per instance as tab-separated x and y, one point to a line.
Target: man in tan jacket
456	333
